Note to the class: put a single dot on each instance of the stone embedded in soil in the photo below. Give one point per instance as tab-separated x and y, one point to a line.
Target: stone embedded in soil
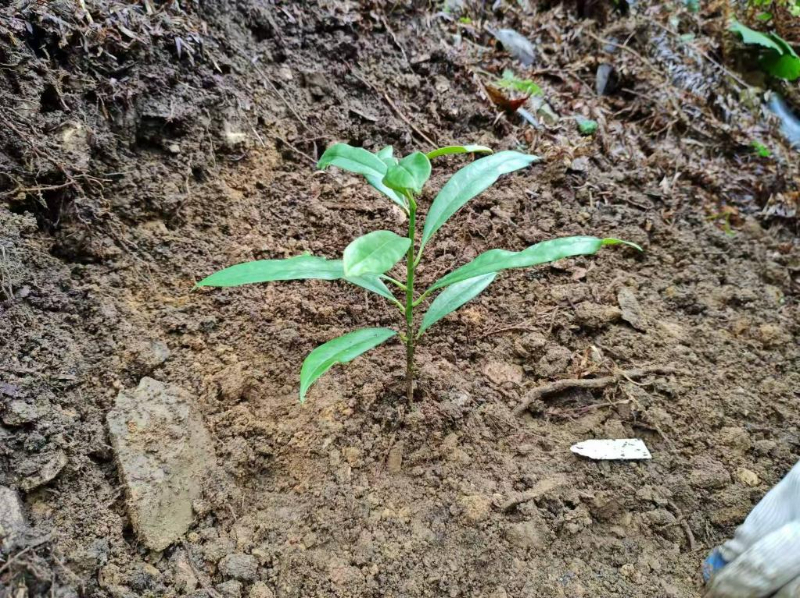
230	589
631	310
526	535
12	518
243	567
500	372
747	477
164	453
48	469
260	590
19	413
593	316
737	440
709	474
475	508
554	361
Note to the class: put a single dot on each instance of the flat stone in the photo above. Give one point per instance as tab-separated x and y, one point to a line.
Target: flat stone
19	413
631	310
260	590
164	454
12	518
243	567
51	465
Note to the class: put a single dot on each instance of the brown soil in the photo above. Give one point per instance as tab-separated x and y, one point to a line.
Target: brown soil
126	180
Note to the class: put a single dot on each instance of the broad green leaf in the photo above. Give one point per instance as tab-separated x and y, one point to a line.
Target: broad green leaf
342	349
293	268
356	159
459	149
374	253
377	183
468	182
752	37
386	154
495	260
409	174
371	282
784	67
454	297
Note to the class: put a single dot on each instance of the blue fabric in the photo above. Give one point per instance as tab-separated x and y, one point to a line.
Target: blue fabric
712	564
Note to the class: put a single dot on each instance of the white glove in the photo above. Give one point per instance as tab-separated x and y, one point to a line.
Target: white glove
764	555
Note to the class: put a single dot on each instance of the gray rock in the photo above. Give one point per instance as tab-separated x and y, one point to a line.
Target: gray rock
12	518
19	413
243	567
260	590
164	455
631	311
48	468
230	589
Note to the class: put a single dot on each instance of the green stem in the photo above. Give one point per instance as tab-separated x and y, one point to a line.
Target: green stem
412	221
422	298
394	281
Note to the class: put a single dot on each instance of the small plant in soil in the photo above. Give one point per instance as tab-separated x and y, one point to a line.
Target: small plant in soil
367	259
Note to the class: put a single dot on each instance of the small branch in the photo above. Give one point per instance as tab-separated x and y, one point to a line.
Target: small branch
394	108
562	385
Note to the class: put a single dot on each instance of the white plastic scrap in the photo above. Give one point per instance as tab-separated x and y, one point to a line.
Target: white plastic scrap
626	449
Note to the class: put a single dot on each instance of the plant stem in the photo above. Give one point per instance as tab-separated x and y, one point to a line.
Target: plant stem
412	221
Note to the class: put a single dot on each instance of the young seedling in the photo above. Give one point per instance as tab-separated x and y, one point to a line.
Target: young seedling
366	260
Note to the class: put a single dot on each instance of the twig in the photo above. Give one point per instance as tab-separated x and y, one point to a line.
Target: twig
562	385
201	580
541	488
508	329
684	524
24	551
295	150
394	39
394	108
275	90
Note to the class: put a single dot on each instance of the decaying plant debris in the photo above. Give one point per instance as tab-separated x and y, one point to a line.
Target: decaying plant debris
144	143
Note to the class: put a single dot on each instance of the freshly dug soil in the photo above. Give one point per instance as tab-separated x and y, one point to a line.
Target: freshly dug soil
149	144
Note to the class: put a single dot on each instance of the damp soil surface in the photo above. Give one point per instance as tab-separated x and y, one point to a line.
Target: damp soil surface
148	144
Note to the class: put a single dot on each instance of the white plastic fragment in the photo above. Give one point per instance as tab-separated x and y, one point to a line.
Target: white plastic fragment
626	449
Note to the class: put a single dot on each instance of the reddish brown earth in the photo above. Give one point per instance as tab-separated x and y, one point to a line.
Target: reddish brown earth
125	181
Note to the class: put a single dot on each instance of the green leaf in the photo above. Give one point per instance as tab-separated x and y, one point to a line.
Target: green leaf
458	149
454	297
343	349
293	268
373	283
360	161
468	182
376	182
386	154
511	81
761	149
752	37
495	260
353	159
586	126
410	174
784	67
374	253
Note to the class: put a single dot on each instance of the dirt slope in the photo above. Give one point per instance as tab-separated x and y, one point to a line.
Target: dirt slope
151	144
